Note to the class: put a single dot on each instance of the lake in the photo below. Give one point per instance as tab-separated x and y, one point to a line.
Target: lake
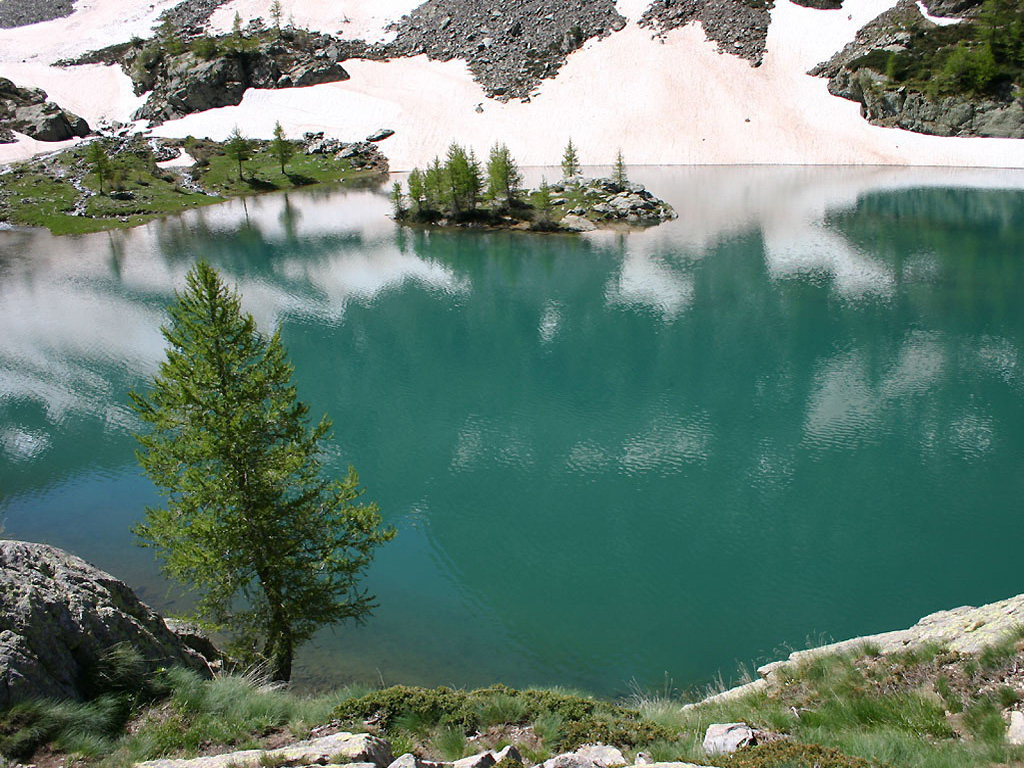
615	461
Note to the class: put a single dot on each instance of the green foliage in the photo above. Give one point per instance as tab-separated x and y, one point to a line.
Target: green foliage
542	201
206	47
504	181
275	13
417	190
464	178
790	754
397	199
273	549
570	161
281	149
619	174
238	148
99	162
449	743
984	720
563	720
983	56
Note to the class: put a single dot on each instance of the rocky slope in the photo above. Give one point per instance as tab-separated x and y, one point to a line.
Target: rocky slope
27	111
868	71
510	47
739	27
59	615
18	13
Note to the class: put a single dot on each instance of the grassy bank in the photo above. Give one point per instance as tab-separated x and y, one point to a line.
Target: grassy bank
926	708
66	194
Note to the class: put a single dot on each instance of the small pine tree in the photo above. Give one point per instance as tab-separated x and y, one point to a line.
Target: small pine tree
435	185
542	199
273	549
417	190
504	181
276	13
99	162
619	170
236	26
570	161
238	148
397	199
464	179
280	148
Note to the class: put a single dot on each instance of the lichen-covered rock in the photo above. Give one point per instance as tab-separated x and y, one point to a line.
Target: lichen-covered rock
59	615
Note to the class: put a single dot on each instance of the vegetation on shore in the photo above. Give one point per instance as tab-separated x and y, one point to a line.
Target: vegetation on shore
981	56
116	183
923	708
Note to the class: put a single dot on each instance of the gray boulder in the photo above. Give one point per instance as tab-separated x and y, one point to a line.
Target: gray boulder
58	617
723	738
27	111
602	755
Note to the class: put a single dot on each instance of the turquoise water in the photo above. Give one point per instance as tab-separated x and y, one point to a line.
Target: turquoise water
796	412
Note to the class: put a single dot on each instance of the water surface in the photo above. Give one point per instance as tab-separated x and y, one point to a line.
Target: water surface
796	412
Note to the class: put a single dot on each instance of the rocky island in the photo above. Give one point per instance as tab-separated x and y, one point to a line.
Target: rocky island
460	193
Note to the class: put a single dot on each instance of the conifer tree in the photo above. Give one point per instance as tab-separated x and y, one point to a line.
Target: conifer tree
570	162
619	175
99	162
238	148
504	181
281	149
273	549
417	193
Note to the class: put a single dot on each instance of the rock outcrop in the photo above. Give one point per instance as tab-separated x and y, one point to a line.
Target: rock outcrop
362	155
59	615
509	47
605	201
27	111
218	75
965	630
343	747
859	72
739	27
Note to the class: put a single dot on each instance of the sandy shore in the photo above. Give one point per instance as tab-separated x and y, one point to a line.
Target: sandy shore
673	100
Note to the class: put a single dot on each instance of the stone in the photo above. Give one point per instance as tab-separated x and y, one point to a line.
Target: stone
482	760
570	760
60	615
27	111
380	134
601	754
409	760
358	747
1015	731
508	752
725	738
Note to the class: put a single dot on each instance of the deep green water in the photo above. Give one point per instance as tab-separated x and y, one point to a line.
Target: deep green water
796	412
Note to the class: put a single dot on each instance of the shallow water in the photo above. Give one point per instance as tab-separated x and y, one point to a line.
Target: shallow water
795	412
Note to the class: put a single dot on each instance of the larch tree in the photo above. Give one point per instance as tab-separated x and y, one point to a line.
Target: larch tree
570	161
273	549
504	181
238	148
280	148
619	174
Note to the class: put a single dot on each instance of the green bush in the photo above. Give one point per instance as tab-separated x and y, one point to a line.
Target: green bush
569	719
790	754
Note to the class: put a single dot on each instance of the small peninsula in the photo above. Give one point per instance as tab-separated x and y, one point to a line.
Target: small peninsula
459	193
123	181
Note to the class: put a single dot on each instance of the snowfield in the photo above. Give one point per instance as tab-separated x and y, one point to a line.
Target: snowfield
661	100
